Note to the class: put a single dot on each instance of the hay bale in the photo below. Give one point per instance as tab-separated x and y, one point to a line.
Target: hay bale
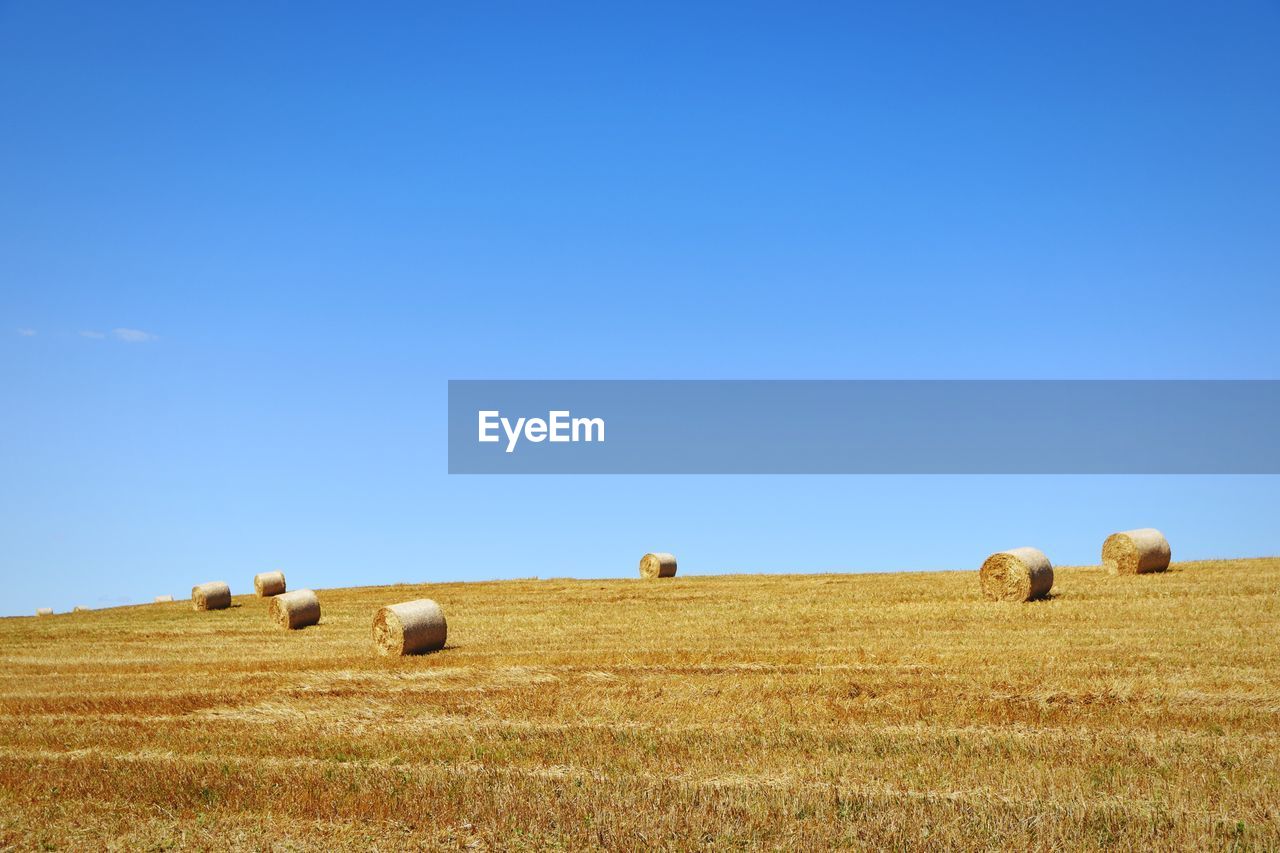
215	595
79	608
659	565
409	628
267	584
296	609
44	611
162	599
1019	574
1136	552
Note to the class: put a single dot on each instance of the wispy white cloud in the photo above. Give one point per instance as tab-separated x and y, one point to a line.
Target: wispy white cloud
27	333
97	336
133	336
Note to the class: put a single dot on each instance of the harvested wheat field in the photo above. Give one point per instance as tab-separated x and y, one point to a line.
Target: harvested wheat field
788	712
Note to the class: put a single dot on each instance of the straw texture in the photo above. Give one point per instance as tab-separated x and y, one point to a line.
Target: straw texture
409	628
267	584
1136	552
44	611
1020	574
163	599
79	608
658	565
215	595
296	609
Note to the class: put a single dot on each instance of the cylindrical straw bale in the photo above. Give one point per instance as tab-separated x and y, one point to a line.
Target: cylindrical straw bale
163	599
1020	574
1136	552
267	584
44	611
409	628
659	565
215	595
79	608
296	609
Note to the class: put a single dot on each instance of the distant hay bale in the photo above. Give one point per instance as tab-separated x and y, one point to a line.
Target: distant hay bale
1136	552
44	611
296	609
161	599
409	628
659	565
79	608
1019	574
267	584
215	595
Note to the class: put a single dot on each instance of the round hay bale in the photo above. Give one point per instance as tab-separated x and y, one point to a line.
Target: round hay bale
1019	574
296	609
659	565
267	584
410	628
79	608
163	599
44	611
1136	552
215	595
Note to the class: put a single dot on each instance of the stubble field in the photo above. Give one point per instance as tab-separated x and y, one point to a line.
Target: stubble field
775	711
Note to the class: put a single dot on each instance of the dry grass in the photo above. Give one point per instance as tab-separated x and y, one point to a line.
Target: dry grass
788	712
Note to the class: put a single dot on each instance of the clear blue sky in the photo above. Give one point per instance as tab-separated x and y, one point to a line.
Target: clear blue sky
243	247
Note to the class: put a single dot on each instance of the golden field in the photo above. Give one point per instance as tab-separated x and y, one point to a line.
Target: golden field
749	711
